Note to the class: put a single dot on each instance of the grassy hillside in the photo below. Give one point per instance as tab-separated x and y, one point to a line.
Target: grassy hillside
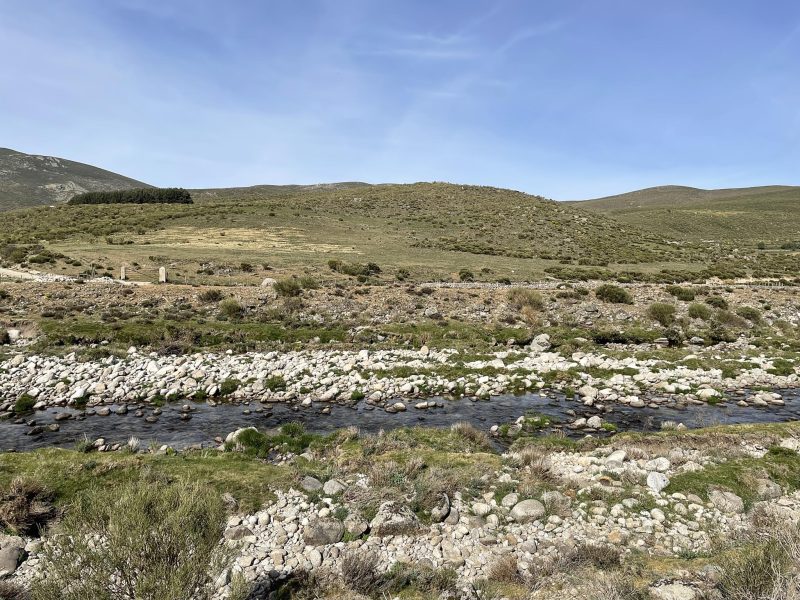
430	230
422	232
31	180
743	216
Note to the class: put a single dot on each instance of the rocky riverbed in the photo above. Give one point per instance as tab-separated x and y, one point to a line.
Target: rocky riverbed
618	496
380	377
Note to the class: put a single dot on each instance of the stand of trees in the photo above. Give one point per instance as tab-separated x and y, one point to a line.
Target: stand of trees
135	196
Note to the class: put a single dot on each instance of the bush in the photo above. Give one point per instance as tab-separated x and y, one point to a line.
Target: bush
24	404
466	275
210	296
717	302
699	311
157	541
360	572
763	568
524	298
751	314
308	283
25	507
135	196
288	288
613	294
662	313
4	337
681	293
230	309
726	317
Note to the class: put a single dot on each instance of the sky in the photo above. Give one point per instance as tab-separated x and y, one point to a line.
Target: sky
568	99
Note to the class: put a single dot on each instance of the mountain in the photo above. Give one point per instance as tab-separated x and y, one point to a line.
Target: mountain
738	215
31	180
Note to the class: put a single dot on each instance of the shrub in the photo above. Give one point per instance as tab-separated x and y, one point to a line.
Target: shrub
727	318
524	298
699	311
210	296
25	507
751	314
157	541
24	404
662	313
403	274
230	309
466	275
613	294
4	337
681	293
308	283
246	267
360	572
288	288
763	568
717	302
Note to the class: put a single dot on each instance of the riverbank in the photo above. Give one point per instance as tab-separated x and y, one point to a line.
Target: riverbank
544	519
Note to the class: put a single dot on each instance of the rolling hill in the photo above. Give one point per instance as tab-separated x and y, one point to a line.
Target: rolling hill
768	214
31	180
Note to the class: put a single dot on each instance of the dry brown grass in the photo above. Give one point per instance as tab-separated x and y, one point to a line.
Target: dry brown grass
25	507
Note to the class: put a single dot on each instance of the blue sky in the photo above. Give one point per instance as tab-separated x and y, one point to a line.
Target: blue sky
568	99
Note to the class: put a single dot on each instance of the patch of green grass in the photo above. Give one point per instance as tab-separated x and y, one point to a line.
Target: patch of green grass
779	464
68	473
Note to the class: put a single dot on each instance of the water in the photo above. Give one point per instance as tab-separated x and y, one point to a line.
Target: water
208	422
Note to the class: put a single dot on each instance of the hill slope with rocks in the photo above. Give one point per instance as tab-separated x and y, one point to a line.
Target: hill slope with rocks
31	180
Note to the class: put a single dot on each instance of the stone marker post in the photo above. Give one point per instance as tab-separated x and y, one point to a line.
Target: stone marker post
123	274
162	275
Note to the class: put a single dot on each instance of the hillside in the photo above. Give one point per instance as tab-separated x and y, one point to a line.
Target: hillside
745	216
32	180
421	231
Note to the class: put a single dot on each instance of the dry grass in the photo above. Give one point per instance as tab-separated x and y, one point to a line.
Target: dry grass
25	507
471	433
360	571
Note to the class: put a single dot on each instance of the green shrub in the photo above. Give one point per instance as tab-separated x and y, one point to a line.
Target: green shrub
681	293
717	302
613	294
210	296
729	319
230	309
466	275
751	314
662	313
699	311
525	298
159	541
288	288
4	337
24	404
308	283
